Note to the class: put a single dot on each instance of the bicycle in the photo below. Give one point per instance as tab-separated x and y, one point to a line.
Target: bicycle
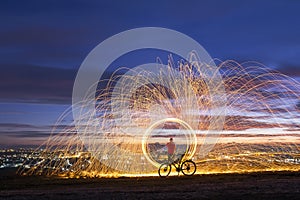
187	167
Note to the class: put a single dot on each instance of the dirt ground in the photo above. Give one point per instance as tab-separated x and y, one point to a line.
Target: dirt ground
279	185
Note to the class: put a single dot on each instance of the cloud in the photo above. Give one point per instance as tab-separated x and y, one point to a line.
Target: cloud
18	130
35	84
16	126
29	134
290	70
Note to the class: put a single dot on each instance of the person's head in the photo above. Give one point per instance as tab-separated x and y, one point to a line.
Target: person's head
171	139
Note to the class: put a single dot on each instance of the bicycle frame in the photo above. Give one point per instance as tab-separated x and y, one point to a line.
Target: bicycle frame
177	163
187	167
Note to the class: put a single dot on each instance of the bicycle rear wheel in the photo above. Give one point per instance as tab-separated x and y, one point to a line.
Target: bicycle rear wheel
188	167
164	170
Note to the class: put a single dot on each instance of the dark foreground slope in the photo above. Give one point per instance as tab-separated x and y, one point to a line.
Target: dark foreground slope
280	185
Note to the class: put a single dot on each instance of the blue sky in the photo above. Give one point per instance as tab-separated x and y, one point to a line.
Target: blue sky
42	43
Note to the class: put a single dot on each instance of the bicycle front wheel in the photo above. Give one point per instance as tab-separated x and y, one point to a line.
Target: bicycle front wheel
188	168
164	170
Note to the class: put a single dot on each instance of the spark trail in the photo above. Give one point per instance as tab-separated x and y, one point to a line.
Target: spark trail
255	108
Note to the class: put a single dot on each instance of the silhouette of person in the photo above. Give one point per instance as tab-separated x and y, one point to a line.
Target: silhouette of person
171	150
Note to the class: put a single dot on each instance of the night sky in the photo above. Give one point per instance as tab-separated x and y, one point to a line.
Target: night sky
43	43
